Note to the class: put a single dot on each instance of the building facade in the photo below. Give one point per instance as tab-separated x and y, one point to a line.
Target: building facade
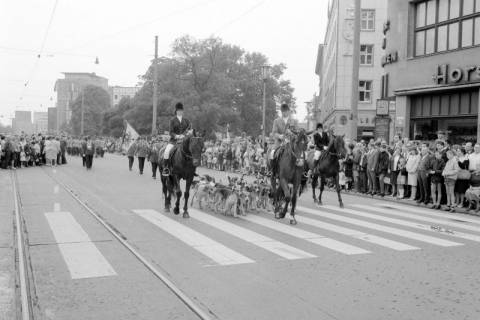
22	123
117	93
40	122
433	68
69	88
52	120
334	66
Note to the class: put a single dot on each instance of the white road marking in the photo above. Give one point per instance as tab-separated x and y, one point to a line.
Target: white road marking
379	227
216	251
395	245
56	189
306	235
421	218
56	207
284	250
54	170
430	212
81	256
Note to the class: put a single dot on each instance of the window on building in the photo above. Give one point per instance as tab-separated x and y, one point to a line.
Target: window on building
368	20
365	91
442	25
366	54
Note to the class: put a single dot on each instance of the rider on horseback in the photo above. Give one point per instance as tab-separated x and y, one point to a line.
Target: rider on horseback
282	127
179	127
321	141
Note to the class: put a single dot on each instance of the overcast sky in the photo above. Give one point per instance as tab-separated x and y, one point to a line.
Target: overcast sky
121	33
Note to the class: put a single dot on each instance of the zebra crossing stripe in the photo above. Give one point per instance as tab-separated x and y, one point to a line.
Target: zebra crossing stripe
395	245
410	224
379	227
217	252
284	250
430	212
421	218
306	235
431	228
82	257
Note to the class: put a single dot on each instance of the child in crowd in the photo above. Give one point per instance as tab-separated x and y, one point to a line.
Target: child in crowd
401	178
450	174
436	171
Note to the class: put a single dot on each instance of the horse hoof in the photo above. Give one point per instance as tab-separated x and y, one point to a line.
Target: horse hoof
186	215
176	211
293	221
167	210
315	200
320	203
341	205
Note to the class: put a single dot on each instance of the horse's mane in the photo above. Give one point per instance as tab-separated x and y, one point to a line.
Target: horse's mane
332	146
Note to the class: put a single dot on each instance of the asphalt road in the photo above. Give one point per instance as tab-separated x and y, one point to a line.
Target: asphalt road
371	260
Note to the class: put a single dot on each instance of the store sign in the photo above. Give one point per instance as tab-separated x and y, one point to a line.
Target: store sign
382	107
382	128
447	75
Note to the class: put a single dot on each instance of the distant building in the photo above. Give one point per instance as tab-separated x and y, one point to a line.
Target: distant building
40	122
334	66
69	88
117	93
52	120
22	123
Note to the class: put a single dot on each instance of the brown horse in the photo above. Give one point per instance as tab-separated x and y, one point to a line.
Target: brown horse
291	167
185	160
328	166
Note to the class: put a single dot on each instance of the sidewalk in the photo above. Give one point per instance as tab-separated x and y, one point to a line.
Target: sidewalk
7	267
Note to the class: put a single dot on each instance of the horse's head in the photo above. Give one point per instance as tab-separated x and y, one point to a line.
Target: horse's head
338	144
299	141
195	146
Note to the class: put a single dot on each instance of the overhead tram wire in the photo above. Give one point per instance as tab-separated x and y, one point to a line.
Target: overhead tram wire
42	47
238	18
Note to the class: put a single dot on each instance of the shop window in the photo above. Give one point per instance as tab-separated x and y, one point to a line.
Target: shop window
368	20
442	25
365	91
465	103
366	55
453	36
454	104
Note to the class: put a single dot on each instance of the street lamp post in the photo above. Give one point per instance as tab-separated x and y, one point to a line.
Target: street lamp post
266	70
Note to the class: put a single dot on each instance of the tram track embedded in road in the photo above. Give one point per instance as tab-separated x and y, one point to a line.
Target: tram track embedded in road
193	306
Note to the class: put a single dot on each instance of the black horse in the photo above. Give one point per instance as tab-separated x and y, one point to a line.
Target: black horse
291	167
328	167
185	160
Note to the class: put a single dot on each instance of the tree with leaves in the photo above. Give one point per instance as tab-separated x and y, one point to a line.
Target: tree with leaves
96	102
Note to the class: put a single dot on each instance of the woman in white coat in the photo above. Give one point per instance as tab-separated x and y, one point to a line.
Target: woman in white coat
51	151
412	165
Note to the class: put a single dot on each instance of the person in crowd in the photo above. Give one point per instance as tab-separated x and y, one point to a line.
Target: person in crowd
422	171
51	151
153	153
132	149
463	177
401	177
437	166
450	174
372	163
348	167
383	167
395	169
88	149
362	170
63	150
413	160
141	151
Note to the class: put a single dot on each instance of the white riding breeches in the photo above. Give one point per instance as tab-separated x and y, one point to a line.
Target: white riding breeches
168	149
317	154
272	153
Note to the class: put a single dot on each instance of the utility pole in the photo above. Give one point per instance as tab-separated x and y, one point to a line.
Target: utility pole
355	71
264	112
82	120
155	84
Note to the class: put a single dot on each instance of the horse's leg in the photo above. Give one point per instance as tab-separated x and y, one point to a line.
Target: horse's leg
294	204
287	196
322	186
186	194
178	193
314	186
337	186
166	194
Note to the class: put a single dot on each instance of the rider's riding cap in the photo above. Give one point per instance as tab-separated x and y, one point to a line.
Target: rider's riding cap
178	106
284	107
319	126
